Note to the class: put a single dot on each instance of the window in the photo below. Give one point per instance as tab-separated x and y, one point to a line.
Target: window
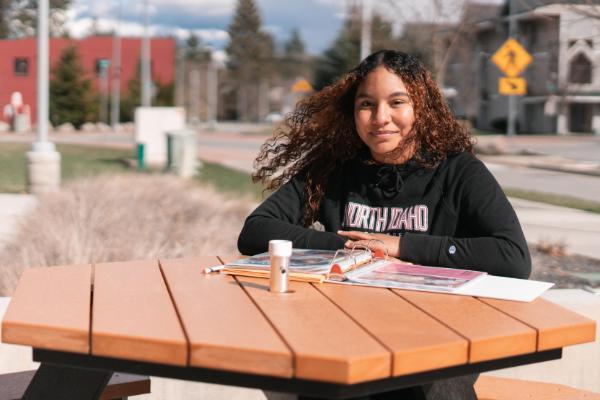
580	69
21	66
102	66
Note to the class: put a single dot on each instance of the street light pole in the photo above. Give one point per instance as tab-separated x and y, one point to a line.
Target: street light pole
212	88
365	29
42	142
43	161
146	78
511	123
116	79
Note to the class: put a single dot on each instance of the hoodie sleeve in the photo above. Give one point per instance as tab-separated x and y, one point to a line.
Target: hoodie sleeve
280	217
488	236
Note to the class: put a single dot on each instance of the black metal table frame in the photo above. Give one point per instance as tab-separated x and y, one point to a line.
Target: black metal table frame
82	376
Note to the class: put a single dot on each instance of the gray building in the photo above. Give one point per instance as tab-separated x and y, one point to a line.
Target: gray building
563	81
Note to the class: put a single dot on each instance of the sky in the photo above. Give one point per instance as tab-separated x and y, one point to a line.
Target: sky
317	20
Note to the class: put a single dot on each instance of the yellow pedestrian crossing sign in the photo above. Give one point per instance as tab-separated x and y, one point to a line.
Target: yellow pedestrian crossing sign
511	58
512	86
302	86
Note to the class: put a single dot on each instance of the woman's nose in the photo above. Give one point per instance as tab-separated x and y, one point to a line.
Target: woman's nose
382	115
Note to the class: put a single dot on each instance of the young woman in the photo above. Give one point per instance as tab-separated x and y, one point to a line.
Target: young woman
378	155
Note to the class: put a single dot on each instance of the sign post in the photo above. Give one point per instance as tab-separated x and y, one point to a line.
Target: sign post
512	59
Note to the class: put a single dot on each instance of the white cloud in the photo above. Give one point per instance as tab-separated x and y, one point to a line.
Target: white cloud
82	27
206	35
103	9
209	8
335	3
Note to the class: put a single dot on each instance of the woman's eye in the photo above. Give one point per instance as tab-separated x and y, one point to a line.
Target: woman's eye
398	102
365	104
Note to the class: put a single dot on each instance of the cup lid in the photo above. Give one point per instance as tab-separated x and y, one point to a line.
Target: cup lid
281	248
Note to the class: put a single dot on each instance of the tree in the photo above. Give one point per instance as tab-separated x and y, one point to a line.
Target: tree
163	96
250	51
344	53
195	49
72	98
22	17
4	18
294	61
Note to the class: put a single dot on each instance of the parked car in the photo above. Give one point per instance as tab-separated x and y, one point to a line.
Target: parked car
274	117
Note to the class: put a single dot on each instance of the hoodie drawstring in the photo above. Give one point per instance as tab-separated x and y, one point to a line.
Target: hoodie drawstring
390	180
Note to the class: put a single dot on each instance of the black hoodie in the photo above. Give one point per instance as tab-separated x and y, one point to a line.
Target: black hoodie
455	215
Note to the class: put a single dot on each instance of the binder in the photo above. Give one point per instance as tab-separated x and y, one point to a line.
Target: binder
361	266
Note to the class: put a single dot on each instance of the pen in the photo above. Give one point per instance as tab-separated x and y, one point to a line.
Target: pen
208	270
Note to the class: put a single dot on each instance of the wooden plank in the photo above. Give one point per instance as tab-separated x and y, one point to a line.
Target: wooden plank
224	327
557	327
491	333
496	388
133	316
50	309
327	344
417	341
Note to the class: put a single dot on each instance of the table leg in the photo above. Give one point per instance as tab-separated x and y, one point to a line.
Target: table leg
63	383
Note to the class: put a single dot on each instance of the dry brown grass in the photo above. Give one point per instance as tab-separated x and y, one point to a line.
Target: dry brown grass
552	248
123	217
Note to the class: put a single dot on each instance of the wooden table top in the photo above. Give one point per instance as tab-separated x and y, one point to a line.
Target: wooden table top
170	312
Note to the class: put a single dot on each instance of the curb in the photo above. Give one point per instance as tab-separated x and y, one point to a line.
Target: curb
550	163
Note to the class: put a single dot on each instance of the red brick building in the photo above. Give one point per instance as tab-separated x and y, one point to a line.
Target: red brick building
18	63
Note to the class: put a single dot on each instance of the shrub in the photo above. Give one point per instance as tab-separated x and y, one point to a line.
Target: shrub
123	217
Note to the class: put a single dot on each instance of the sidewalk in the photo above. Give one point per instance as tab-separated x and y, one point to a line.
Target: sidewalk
12	207
578	230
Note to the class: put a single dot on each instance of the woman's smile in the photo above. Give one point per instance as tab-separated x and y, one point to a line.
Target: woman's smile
383	133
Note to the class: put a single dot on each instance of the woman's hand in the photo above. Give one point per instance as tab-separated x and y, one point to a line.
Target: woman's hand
373	241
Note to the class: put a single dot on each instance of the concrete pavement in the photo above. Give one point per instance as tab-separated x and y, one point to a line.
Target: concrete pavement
578	230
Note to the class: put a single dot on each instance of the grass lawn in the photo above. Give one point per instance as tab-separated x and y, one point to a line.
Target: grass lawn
229	180
80	161
76	161
554	199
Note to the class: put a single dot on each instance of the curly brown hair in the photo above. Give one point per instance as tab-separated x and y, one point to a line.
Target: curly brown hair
320	134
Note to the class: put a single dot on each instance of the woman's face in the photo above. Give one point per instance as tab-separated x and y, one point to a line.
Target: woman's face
383	115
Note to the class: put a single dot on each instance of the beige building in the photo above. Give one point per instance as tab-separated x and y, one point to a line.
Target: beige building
563	81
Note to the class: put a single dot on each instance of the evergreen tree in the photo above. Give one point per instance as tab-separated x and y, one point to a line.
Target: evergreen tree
250	51
195	49
294	46
163	96
294	60
344	53
4	18
72	98
133	98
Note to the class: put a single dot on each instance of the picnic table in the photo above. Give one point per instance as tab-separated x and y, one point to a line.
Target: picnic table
167	318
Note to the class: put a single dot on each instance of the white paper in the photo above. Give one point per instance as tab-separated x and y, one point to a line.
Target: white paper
498	287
